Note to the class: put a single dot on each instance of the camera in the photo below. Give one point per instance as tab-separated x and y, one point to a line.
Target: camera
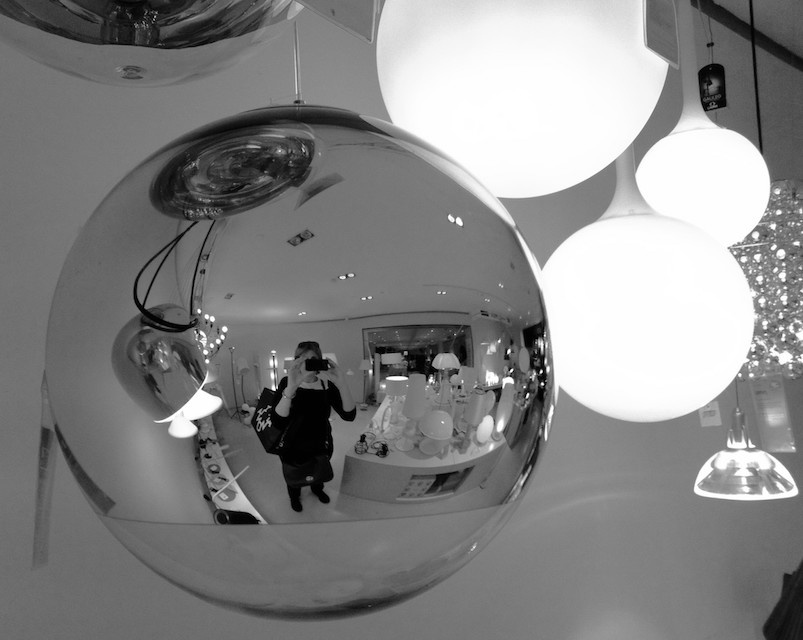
316	364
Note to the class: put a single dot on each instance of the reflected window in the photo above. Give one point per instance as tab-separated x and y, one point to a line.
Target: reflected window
405	349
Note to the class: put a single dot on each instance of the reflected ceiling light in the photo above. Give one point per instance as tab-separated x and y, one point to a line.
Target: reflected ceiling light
702	173
635	293
742	471
451	71
141	42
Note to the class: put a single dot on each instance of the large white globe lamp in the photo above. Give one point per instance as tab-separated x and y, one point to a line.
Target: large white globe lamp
532	96
702	173
650	317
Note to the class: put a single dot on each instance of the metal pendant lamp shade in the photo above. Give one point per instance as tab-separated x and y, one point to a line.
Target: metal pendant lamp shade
742	471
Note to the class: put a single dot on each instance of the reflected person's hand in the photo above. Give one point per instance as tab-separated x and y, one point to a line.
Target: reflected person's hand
334	374
297	374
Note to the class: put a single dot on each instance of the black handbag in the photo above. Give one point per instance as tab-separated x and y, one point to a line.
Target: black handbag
316	470
271	436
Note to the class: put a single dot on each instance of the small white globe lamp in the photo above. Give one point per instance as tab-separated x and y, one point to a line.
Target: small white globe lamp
703	173
650	317
531	96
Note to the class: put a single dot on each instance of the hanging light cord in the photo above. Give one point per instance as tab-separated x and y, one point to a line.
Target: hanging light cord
755	77
198	260
297	65
161	323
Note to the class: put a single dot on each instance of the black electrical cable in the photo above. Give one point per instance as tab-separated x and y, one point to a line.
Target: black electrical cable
755	77
198	260
161	323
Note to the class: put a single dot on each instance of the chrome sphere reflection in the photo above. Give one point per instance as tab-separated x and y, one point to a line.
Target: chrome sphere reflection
288	224
140	42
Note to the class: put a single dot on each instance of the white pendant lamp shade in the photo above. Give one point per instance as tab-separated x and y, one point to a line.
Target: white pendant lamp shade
711	177
650	317
531	96
396	385
702	173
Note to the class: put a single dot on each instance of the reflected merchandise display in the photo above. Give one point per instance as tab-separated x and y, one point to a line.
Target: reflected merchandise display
253	220
141	42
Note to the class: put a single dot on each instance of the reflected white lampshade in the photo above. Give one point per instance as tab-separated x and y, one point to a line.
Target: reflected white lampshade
515	90
181	427
475	409
446	361
396	385
391	358
702	173
415	402
651	318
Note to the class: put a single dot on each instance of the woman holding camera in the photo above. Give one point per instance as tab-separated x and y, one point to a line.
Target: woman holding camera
312	388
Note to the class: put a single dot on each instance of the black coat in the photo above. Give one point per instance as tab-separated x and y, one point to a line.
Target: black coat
310	432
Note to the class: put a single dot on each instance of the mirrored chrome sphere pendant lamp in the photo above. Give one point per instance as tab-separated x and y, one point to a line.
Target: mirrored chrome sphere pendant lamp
742	471
531	96
651	318
701	172
141	42
258	214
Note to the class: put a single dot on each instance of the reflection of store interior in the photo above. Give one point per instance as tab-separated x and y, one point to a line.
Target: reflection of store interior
432	429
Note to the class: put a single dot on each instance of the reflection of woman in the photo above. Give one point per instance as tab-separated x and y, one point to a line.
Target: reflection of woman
306	399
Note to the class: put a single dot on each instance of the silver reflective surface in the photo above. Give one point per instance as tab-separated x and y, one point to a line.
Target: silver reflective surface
385	253
140	42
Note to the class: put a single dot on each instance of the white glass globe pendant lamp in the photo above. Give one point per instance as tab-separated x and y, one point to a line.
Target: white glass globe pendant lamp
531	96
701	172
650	317
742	471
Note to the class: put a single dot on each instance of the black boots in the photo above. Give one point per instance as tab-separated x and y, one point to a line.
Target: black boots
317	489
295	496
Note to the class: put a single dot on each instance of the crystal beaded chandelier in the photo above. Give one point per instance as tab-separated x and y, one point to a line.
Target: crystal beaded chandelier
772	260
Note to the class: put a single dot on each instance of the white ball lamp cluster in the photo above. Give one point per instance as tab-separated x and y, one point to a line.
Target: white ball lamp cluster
703	173
531	96
650	317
